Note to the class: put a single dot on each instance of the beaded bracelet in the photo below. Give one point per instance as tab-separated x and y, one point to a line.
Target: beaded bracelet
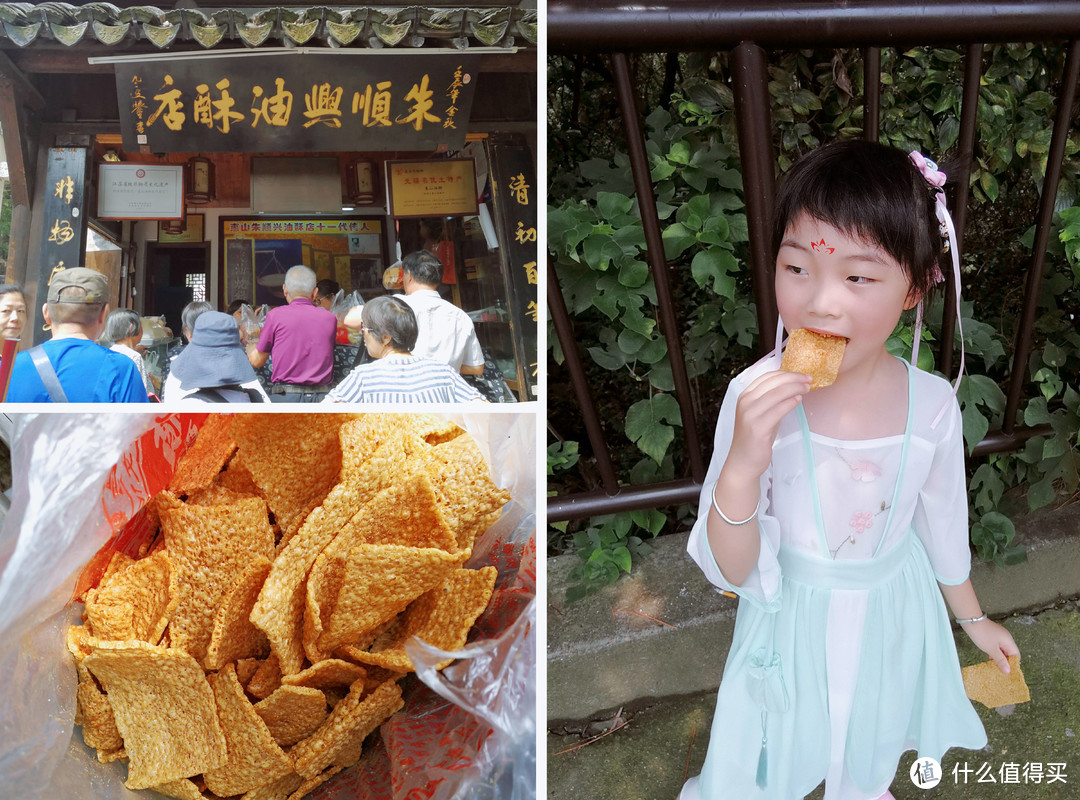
728	519
973	619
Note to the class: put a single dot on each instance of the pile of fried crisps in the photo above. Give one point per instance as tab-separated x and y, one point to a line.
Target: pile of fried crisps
259	639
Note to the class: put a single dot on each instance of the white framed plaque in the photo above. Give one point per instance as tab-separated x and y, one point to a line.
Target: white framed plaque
140	191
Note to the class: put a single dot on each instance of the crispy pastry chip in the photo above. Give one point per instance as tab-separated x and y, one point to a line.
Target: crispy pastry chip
405	514
295	462
361	437
379	581
212	546
337	740
815	354
78	642
254	757
987	684
182	789
280	609
292	713
462	482
164	710
312	784
442	618
206	457
233	636
96	714
281	789
135	600
216	495
237	478
327	674
267	678
245	669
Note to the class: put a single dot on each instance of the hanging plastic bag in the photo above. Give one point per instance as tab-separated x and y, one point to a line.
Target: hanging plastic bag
82	496
251	323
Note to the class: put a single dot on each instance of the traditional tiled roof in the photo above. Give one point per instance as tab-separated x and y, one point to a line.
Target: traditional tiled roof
330	26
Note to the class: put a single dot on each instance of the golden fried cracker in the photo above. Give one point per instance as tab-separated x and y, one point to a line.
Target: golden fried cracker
254	758
463	485
79	642
293	713
311	784
815	354
327	674
233	636
206	457
987	684
362	437
280	608
406	514
442	618
96	714
134	601
182	789
280	789
380	580
267	678
246	668
164	710
211	546
350	722
216	495
109	756
295	462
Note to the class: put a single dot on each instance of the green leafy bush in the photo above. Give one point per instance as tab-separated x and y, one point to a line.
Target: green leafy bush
596	240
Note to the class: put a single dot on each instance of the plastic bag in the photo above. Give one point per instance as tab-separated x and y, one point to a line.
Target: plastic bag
251	323
342	305
81	491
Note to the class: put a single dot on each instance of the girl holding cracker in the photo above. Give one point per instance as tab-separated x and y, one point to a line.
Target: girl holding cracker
839	516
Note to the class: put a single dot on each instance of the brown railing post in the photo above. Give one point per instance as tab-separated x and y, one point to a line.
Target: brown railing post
750	81
565	331
669	325
871	93
1042	233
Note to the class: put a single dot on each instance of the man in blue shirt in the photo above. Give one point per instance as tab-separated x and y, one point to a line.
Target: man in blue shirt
72	364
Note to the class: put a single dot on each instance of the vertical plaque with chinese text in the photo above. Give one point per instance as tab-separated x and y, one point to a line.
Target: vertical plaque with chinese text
63	237
514	185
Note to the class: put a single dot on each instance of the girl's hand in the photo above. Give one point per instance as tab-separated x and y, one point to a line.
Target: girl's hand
994	640
758	412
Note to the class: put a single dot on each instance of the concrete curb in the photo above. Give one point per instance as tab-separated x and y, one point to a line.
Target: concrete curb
664	630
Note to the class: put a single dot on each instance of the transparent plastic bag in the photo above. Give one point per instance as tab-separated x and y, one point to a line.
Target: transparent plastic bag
82	490
251	323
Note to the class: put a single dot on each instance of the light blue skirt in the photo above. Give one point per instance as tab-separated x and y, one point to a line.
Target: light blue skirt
771	735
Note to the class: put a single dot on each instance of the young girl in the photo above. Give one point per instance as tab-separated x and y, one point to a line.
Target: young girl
837	514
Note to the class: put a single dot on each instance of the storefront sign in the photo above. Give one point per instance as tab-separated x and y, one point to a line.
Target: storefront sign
441	188
140	191
63	237
514	185
305	102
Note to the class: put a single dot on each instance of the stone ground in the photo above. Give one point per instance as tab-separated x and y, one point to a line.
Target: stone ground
663	742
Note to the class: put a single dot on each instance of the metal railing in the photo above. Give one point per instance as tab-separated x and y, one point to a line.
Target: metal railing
746	29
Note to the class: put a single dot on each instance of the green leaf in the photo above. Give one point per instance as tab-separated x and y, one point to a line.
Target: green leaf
651	520
975	425
646	424
612	205
715	265
634	274
989	185
621	557
679	153
1041	493
677	238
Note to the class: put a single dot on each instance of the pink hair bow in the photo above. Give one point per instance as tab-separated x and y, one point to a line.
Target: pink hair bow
928	168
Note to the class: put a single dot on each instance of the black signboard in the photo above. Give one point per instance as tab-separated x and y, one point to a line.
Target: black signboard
308	102
515	192
63	237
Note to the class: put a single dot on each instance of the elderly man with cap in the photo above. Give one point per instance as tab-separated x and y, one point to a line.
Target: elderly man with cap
214	368
300	339
71	366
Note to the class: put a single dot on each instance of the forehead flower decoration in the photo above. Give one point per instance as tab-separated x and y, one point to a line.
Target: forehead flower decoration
821	247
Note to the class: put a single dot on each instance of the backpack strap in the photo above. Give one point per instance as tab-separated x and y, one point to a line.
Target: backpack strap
47	374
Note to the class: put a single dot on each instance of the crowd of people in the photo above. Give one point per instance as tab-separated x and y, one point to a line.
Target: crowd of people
416	346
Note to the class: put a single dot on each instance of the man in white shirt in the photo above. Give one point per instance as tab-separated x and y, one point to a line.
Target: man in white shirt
446	332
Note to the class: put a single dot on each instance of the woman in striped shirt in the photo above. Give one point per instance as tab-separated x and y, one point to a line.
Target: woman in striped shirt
396	376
